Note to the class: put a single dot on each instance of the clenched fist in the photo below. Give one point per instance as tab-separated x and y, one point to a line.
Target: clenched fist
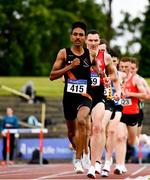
75	63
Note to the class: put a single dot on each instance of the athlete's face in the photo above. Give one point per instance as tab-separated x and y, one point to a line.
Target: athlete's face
92	41
77	37
126	66
133	68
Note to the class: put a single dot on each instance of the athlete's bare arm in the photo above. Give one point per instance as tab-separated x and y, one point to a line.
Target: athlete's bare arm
112	73
139	84
146	86
59	68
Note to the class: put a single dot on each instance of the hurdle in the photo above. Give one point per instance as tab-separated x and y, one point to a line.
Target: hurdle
39	131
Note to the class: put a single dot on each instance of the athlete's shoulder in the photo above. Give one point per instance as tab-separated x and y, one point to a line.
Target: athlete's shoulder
136	77
62	54
62	51
137	80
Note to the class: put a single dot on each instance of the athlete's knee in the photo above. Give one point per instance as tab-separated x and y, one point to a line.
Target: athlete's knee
81	122
97	129
102	129
111	132
121	138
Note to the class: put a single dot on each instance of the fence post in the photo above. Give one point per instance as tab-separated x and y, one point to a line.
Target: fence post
8	147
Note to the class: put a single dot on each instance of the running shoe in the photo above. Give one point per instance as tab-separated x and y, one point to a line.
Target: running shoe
98	167
106	168
78	167
124	169
118	169
107	165
104	173
91	172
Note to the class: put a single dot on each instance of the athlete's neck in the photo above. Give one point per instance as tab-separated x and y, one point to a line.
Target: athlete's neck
77	50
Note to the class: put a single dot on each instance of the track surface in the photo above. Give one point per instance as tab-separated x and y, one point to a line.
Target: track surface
65	171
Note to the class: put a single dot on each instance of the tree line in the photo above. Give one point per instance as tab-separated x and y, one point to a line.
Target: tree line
32	32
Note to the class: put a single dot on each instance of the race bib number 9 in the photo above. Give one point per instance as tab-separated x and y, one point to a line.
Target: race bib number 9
126	102
95	79
77	86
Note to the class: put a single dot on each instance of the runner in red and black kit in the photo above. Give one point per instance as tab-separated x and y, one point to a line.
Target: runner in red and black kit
130	104
103	62
97	80
134	70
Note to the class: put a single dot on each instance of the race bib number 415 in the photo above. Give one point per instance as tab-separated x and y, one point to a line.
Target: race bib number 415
77	86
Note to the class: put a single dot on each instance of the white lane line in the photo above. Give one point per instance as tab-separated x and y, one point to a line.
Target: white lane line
22	168
139	170
54	175
136	172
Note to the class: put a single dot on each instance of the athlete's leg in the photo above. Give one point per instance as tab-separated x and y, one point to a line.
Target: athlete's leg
105	121
97	116
71	127
98	139
139	130
95	141
88	134
86	152
140	122
111	134
132	133
120	143
132	141
81	124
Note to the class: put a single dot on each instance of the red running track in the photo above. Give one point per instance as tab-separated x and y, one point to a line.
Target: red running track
65	171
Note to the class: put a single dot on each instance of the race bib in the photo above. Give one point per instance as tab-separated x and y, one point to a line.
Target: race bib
126	102
105	91
108	92
117	102
95	79
77	86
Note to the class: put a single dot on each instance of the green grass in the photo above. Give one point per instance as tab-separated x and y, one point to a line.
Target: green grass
43	86
148	80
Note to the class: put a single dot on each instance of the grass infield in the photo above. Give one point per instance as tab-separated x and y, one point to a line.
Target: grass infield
43	86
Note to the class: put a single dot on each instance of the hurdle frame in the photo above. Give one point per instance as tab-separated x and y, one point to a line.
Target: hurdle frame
41	131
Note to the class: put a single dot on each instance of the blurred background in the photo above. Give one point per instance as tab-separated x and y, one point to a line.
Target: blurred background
32	32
